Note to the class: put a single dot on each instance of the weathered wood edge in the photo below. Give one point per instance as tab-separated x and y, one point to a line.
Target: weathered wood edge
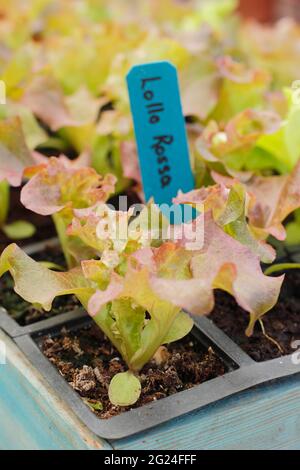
266	417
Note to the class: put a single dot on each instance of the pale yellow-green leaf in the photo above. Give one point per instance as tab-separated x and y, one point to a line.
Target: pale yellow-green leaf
181	326
19	230
124	389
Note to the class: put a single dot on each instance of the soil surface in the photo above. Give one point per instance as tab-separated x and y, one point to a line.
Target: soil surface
282	323
88	361
23	312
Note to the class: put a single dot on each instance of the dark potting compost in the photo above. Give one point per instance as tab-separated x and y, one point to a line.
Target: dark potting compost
282	323
78	362
88	361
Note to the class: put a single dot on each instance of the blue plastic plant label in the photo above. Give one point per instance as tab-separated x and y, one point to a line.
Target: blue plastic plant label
160	131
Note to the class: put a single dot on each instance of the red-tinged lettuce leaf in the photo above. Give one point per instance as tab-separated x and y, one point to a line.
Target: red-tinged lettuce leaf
172	261
41	162
81	130
83	238
102	228
234	222
273	47
130	166
177	275
200	96
276	197
242	88
85	228
58	189
234	146
249	125
28	274
115	122
97	272
59	186
131	297
229	208
14	153
208	198
111	234
273	199
130	161
33	132
223	263
113	291
37	284
44	97
238	72
46	100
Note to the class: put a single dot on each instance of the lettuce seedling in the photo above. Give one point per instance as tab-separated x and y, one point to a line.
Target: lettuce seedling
140	281
17	230
272	200
234	146
283	54
264	141
57	188
14	156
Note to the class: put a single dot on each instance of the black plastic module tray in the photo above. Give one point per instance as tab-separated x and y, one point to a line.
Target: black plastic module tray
243	372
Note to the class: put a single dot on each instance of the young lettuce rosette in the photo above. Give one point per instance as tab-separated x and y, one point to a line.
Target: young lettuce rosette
14	157
138	282
57	188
